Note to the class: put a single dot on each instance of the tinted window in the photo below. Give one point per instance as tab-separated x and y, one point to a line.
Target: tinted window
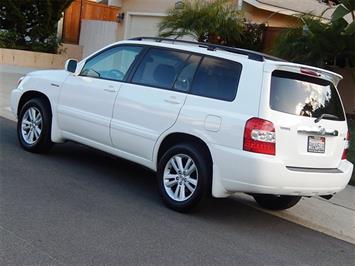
111	64
184	80
217	78
303	95
159	68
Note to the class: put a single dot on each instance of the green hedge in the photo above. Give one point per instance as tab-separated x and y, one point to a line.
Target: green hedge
31	24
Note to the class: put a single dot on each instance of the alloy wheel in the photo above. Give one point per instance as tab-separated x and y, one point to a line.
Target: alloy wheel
180	177
31	125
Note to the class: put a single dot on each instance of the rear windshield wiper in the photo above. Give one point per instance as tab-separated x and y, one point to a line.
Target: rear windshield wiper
334	117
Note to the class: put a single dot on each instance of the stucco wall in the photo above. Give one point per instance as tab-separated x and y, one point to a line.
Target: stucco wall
155	6
272	19
146	6
346	89
39	60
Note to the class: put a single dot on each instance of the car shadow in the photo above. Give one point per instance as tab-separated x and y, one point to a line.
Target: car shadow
119	175
89	167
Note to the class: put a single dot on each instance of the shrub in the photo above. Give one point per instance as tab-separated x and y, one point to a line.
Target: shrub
31	24
214	21
320	43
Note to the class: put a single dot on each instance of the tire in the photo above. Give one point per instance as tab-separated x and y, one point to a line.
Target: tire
29	121
276	203
192	185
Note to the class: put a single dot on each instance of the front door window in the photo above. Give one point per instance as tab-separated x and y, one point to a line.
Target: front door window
112	64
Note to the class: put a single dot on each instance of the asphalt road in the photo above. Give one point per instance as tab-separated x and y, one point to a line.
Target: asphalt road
77	205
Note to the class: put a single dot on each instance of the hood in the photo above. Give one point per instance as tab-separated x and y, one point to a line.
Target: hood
53	75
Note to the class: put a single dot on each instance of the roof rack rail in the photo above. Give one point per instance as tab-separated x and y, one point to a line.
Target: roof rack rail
213	47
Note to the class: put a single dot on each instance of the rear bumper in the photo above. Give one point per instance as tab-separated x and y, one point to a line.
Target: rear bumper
240	171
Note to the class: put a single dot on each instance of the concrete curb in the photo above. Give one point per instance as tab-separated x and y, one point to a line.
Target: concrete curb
333	218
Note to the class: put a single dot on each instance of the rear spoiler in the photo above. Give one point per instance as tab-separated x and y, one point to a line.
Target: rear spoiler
305	70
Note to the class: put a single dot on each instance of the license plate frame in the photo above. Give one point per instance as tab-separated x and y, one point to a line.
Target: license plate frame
316	144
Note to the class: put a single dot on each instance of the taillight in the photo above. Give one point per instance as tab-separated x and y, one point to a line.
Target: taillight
346	148
259	136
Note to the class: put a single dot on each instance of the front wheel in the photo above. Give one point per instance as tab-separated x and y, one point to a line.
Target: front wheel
34	126
184	174
276	202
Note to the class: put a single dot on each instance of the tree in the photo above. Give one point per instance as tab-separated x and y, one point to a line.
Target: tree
31	24
317	43
345	7
213	21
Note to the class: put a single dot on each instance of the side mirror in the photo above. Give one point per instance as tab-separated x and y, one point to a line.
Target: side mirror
70	65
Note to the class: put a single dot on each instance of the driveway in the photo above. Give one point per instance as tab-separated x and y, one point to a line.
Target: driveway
77	205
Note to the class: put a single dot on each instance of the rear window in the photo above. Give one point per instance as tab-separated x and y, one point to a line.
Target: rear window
302	95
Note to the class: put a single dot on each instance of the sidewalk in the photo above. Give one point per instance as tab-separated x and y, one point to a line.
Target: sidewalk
335	217
9	76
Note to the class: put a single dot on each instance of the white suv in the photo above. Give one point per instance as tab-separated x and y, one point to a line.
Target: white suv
207	118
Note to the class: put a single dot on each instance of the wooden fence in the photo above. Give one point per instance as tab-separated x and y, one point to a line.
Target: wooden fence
83	9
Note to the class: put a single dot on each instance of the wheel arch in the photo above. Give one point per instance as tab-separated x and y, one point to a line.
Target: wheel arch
218	189
180	137
28	95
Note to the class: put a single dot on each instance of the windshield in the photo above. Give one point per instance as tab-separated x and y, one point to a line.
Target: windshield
304	96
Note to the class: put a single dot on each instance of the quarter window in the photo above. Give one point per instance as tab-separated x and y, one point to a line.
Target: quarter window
160	68
217	78
111	64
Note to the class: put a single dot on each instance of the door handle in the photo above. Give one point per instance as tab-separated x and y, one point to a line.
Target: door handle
110	90
171	101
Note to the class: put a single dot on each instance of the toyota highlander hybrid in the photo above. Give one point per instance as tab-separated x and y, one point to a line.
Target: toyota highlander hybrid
209	119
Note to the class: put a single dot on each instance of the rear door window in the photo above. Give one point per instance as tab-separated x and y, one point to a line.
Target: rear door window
184	80
302	95
160	68
217	78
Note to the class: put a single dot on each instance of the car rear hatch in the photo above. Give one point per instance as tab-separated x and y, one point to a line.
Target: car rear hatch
308	116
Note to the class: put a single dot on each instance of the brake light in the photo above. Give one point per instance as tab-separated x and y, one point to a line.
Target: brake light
259	136
346	148
309	72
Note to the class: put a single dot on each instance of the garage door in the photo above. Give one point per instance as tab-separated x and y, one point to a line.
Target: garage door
139	25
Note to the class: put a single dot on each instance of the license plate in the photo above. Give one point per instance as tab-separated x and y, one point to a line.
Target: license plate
316	144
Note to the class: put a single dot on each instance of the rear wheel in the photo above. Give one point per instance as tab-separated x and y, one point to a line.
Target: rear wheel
275	202
34	126
184	175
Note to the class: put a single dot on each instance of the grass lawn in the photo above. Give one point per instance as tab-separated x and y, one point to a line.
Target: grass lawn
351	154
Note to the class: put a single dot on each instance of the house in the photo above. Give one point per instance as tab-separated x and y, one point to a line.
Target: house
132	18
96	23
